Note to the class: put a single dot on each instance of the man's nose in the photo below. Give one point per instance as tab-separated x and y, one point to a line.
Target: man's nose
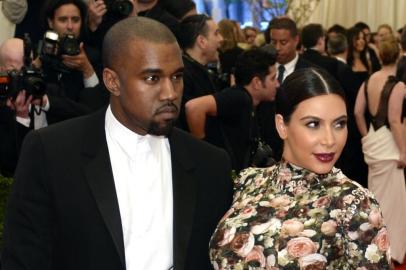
168	90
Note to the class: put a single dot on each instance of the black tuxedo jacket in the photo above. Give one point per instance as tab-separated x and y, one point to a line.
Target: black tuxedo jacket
303	63
63	212
327	63
12	134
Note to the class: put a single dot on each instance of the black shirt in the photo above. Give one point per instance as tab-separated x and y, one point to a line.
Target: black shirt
235	111
197	82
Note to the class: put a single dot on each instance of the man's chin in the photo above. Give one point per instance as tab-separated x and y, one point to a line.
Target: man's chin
161	130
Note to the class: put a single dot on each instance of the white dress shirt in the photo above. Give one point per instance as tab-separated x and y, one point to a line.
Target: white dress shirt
341	59
40	118
142	172
289	67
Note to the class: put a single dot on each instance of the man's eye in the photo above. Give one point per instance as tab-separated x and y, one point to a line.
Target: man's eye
177	77
312	124
151	78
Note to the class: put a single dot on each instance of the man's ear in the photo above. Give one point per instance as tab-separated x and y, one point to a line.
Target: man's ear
296	40
201	41
111	81
256	82
280	126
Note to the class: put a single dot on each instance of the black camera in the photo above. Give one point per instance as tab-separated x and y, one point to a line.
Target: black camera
52	47
119	8
262	156
30	80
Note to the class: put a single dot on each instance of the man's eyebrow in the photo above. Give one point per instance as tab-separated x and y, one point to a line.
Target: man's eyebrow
158	70
151	70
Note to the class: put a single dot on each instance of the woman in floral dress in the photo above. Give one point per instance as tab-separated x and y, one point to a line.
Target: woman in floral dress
303	213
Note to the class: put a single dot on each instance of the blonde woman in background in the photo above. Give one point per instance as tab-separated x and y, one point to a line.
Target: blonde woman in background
384	143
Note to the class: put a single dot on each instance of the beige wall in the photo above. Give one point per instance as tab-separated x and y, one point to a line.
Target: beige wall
348	12
7	28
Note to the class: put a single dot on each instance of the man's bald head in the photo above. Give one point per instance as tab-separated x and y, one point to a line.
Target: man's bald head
12	54
118	38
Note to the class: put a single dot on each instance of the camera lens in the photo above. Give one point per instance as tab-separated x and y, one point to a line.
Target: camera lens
35	86
122	8
69	45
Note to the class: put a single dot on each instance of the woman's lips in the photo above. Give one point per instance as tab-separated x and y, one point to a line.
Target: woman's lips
325	157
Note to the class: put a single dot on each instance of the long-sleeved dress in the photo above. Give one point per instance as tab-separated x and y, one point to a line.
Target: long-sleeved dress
286	217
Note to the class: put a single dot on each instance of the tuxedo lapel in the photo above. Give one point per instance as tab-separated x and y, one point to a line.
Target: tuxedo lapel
99	176
184	197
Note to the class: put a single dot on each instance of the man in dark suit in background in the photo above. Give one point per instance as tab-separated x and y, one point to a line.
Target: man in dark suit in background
338	47
284	37
314	43
120	189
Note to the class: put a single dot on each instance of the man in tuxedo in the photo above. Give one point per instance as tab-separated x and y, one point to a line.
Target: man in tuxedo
284	37
314	43
120	188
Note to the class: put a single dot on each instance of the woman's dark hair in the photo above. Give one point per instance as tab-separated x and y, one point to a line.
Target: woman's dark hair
50	6
304	84
352	34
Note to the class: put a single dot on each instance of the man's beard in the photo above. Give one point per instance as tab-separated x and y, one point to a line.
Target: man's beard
155	129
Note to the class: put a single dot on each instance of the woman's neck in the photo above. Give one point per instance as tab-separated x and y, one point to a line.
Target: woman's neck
389	68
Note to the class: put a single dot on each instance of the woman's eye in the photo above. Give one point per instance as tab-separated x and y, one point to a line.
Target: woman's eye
341	124
312	124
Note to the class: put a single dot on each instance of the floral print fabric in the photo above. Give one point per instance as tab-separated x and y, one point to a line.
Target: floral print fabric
286	217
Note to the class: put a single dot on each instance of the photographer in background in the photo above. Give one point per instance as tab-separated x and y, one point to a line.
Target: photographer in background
103	14
15	112
235	108
75	85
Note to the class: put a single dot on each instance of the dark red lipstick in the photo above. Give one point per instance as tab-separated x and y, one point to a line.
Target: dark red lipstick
325	157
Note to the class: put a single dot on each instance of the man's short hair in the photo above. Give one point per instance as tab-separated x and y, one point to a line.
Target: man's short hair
337	44
337	28
254	63
118	38
191	27
281	23
284	23
311	33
